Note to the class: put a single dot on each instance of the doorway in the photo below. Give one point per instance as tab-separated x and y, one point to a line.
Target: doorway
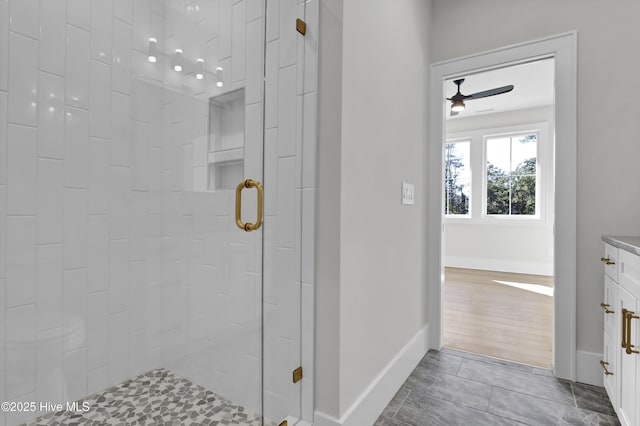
562	49
498	213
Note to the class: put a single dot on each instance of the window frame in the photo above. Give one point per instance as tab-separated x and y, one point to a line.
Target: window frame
544	169
539	187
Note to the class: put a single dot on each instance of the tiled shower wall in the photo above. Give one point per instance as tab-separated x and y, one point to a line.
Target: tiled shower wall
115	258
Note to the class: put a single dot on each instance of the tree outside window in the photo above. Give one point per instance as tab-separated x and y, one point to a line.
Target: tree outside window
457	178
511	174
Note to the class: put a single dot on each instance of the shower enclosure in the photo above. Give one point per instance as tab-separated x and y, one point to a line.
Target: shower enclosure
157	172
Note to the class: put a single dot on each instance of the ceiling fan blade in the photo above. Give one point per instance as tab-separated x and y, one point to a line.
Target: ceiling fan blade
492	92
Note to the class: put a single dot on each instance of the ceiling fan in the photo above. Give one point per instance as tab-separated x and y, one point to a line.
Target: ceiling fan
457	100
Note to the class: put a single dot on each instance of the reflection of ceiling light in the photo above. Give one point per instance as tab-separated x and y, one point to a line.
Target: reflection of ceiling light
153	50
177	60
219	77
457	106
199	69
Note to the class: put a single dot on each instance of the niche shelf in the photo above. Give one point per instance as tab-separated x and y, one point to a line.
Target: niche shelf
225	156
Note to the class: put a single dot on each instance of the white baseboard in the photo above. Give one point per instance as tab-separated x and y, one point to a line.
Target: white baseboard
588	368
501	265
321	419
372	401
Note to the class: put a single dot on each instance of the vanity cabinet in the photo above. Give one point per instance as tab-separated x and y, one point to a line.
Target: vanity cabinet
621	312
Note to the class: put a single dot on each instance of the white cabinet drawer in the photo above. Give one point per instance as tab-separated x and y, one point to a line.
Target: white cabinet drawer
629	272
610	260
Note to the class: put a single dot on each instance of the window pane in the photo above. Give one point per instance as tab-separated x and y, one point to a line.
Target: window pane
511	175
498	153
457	197
523	195
498	190
457	178
457	157
523	154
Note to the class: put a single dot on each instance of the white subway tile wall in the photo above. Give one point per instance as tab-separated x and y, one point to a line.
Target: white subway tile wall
52	37
23	20
50	116
115	257
3	137
21	170
49	216
77	66
23	77
78	13
101	26
4	43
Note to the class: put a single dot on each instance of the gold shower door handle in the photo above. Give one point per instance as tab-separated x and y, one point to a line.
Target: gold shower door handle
249	183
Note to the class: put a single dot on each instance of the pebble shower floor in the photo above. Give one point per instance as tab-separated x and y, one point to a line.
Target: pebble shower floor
157	397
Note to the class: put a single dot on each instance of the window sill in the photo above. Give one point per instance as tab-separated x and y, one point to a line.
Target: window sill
495	221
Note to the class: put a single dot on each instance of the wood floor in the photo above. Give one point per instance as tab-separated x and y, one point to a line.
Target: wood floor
503	315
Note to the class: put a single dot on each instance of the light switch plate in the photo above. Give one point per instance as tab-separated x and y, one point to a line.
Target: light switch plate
407	193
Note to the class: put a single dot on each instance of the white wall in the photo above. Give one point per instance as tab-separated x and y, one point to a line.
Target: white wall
608	192
375	289
491	243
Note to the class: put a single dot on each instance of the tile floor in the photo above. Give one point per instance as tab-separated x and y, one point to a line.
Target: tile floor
454	388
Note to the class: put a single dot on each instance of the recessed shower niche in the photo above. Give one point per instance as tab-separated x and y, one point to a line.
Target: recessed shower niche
225	156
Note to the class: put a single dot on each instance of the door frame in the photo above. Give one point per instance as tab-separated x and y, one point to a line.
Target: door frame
563	48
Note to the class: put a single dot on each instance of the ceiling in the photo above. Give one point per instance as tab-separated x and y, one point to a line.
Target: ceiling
533	87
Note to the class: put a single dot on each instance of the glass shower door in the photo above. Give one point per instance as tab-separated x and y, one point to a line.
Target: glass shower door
213	113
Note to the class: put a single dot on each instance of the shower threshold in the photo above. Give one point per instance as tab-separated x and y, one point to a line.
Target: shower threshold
157	397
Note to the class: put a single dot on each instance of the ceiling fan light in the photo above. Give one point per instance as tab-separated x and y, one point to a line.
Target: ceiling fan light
457	106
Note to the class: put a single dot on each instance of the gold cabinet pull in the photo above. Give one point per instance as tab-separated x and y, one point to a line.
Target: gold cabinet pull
624	328
607	261
249	183
605	306
604	366
629	315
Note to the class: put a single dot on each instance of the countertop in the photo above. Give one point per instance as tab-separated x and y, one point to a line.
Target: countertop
630	244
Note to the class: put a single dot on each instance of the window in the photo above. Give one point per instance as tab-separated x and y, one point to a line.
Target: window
511	184
457	178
